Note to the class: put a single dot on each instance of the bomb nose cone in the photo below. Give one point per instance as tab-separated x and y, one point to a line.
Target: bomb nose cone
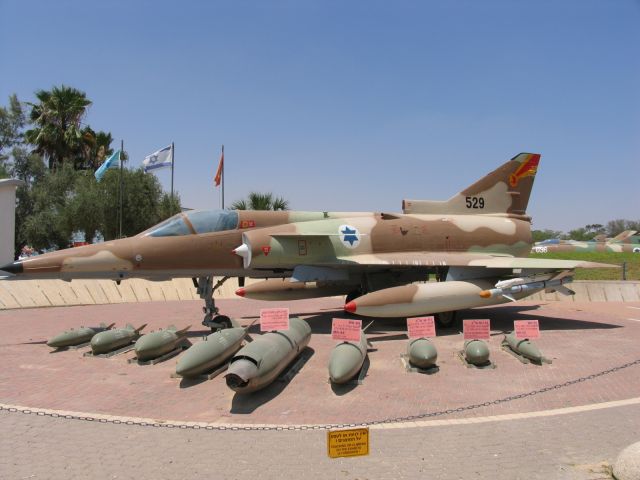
240	373
55	342
14	268
340	372
146	344
241	292
350	307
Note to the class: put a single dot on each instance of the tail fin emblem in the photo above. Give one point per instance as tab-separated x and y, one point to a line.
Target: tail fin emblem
527	169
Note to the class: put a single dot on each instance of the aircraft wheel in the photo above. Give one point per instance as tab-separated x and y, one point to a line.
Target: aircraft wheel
224	321
446	319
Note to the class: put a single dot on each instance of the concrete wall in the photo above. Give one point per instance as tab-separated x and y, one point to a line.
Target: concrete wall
47	293
8	218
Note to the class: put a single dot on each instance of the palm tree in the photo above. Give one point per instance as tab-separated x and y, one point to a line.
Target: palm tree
57	116
261	201
96	148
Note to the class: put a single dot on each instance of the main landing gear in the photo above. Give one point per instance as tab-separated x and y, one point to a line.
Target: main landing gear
206	288
446	319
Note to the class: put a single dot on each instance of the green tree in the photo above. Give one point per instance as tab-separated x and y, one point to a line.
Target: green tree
261	201
96	149
143	200
12	121
49	224
29	168
540	235
169	205
57	134
615	227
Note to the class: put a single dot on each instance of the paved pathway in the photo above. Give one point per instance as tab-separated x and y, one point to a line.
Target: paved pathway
581	338
569	446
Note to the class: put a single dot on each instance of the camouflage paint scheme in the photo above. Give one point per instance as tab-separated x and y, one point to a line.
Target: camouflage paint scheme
627	241
478	237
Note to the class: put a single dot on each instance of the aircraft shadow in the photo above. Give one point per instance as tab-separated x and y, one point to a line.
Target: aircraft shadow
246	403
502	318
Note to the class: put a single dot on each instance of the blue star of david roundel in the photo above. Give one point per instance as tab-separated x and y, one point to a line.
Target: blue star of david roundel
349	236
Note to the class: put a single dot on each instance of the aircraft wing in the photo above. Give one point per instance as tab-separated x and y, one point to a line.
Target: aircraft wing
463	259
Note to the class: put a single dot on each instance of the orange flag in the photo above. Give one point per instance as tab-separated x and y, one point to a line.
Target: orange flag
218	176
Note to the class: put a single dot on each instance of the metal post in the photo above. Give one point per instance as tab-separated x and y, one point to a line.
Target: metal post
624	270
222	177
121	213
173	159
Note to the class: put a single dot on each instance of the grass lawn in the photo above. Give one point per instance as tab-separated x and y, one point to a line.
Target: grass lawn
632	260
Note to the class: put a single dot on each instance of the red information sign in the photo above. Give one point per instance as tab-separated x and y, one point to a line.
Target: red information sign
421	327
346	330
274	319
526	329
476	329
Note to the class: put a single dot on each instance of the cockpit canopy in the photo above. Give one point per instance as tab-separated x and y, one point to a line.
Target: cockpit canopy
194	222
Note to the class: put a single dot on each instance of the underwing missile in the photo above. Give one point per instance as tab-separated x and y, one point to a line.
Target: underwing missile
70	338
509	288
476	352
423	298
260	362
155	344
285	290
524	347
422	353
110	340
209	354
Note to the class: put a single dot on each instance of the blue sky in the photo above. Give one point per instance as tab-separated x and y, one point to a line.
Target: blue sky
340	105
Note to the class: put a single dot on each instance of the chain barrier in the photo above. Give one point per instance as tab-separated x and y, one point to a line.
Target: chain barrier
329	426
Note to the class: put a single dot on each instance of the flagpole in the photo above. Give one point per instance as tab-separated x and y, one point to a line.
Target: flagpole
173	159
222	177
121	186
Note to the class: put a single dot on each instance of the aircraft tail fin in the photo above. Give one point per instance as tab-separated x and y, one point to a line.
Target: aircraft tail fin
183	331
506	190
140	328
621	237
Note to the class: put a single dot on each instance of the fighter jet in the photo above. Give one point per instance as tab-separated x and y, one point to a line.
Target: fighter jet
626	241
473	247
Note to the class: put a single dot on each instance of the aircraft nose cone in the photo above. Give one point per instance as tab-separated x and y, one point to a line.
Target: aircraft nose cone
350	307
14	268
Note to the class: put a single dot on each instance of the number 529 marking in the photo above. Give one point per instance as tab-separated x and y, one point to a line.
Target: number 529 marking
474	202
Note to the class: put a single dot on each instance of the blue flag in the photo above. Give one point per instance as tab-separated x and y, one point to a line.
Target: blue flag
112	162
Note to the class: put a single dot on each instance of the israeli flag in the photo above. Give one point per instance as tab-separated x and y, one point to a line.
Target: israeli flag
160	159
112	162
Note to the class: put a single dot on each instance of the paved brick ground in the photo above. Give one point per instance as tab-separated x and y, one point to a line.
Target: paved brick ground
581	339
562	447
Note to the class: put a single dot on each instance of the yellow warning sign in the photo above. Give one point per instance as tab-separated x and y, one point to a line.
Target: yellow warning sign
348	443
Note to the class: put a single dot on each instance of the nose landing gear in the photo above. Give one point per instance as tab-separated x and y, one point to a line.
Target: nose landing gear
205	289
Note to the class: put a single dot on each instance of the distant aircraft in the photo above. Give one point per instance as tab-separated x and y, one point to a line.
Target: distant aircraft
475	245
626	241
